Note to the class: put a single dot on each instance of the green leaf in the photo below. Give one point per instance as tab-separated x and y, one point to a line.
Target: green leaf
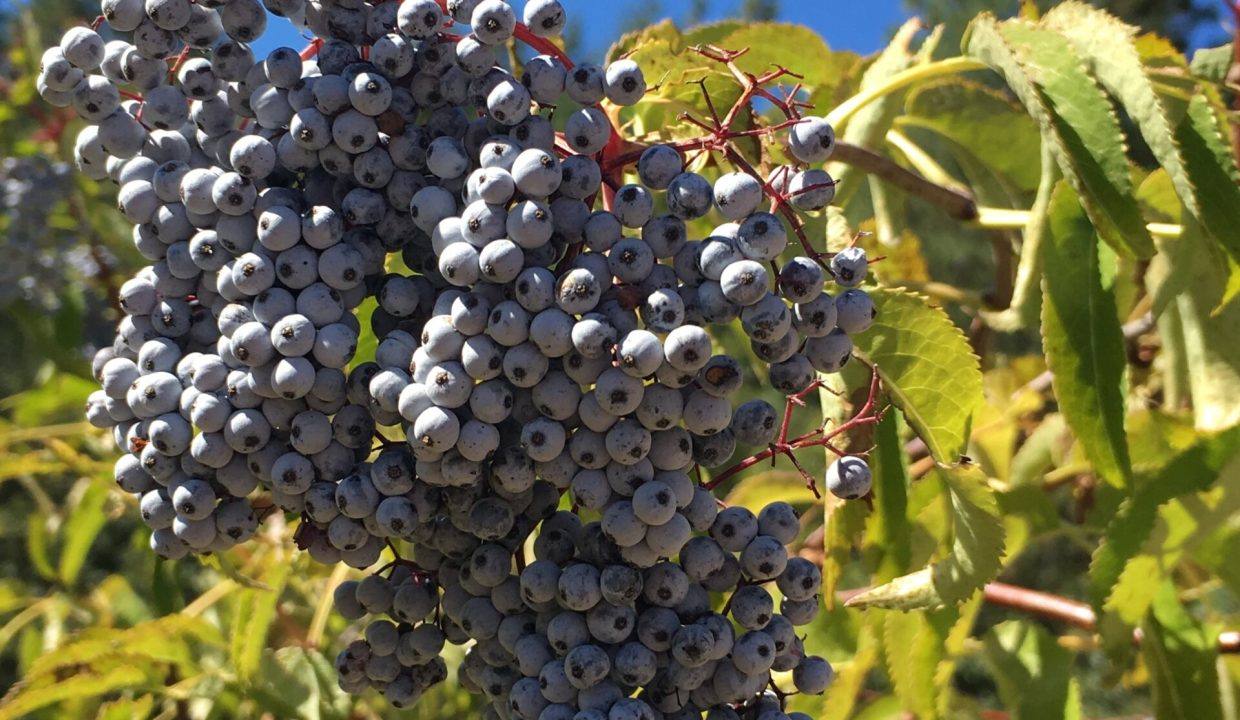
166	640
674	70
851	675
1213	168
1042	450
81	529
1210	334
981	121
1181	659
1212	64
760	489
927	367
1196	159
889	529
256	610
1108	47
25	697
1082	338
135	709
977	551
60	399
913	647
1032	671
1190	150
1193	470
1049	78
292	684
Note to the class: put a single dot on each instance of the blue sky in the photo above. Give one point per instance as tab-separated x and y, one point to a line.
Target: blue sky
859	25
846	24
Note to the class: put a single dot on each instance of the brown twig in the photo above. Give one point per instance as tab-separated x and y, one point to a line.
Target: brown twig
1049	607
818	438
956	203
1233	76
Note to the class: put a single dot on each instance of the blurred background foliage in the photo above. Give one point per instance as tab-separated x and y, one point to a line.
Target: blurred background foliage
92	626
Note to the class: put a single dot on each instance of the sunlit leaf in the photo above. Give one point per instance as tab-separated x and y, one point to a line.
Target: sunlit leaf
1180	658
1032	671
256	611
927	367
889	529
1192	471
977	550
983	122
24	698
913	647
851	676
85	521
1048	77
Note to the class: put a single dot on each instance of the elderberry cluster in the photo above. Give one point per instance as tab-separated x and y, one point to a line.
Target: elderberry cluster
544	377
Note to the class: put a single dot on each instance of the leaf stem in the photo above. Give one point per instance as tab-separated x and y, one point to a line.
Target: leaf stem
845	111
1006	219
957	203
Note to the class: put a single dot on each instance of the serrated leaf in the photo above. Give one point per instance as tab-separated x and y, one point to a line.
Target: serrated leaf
165	640
850	677
1212	166
1047	75
927	368
26	697
127	709
1032	671
1180	658
913	648
1191	471
977	550
1082	338
1109	47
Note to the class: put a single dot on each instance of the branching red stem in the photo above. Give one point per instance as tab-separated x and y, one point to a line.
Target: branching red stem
818	438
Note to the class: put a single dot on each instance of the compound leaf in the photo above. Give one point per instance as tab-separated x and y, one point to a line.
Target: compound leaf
1045	72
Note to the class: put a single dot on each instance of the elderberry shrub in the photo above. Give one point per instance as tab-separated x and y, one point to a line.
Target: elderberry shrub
539	345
